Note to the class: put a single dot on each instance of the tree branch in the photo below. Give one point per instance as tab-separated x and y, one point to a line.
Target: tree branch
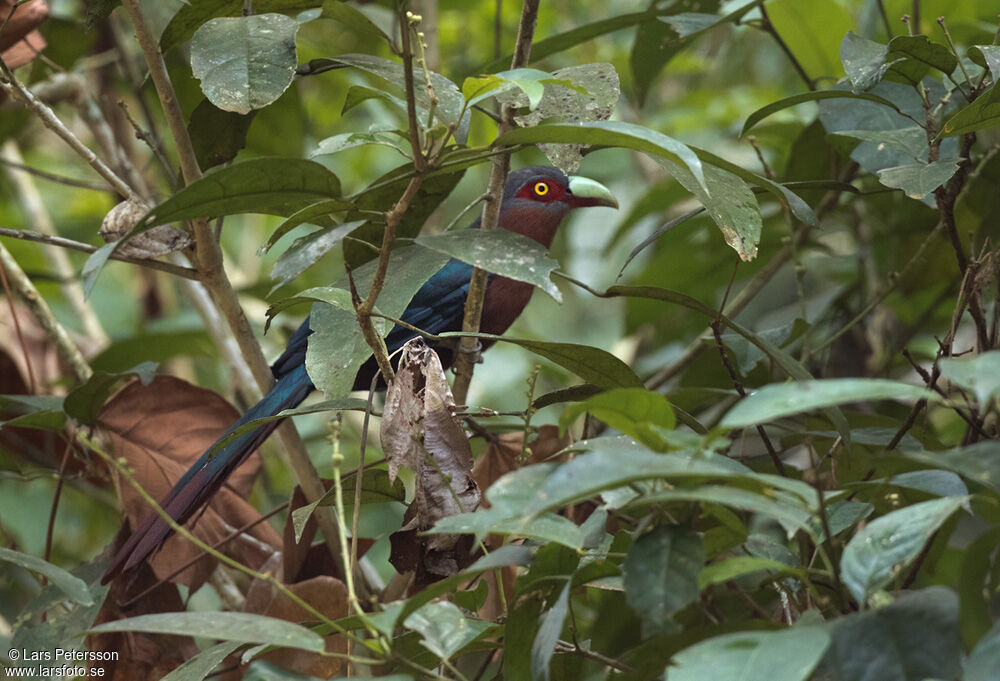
465	359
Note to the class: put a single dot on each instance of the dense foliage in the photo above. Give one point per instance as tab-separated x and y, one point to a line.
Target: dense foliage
748	428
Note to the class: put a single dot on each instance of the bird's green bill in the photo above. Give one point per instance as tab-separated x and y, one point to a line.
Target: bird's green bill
587	192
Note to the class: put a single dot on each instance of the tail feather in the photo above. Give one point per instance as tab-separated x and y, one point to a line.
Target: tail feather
210	473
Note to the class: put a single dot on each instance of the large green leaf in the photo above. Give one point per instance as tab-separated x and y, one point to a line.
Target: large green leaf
984	661
739	566
979	374
306	251
876	554
913	639
217	135
661	575
72	586
274	186
222	626
499	251
781	104
589	363
979	462
636	412
337	348
544	645
192	15
611	134
445	630
863	60
983	112
776	401
659	39
730	203
917	180
245	63
201	665
789	655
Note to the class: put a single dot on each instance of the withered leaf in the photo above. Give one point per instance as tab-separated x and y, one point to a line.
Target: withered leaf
419	430
160	430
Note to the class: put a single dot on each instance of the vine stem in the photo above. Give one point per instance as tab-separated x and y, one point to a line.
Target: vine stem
466	357
211	268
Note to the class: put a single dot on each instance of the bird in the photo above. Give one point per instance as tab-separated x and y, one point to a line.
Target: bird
535	201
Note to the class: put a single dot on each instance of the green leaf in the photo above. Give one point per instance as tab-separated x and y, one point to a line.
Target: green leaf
222	626
152	347
245	63
39	412
739	566
979	462
976	618
730	203
812	32
589	363
789	655
984	660
337	348
306	251
359	94
350	140
86	401
765	111
74	587
632	411
981	113
375	489
921	48
382	194
917	180
331	295
776	401
544	645
322	213
863	60
564	41
445	630
979	374
201	665
274	186
217	135
611	134
658	40
987	56
499	251
876	554
450	102
573	394
911	140
192	15
912	639
494	560
353	19
661	575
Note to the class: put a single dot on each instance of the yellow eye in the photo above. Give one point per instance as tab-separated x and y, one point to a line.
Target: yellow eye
541	188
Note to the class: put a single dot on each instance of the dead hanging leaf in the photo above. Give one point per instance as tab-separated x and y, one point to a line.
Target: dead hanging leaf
328	595
419	430
160	430
140	655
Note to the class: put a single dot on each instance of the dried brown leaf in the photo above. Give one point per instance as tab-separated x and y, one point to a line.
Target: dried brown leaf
419	430
329	596
140	655
160	430
305	559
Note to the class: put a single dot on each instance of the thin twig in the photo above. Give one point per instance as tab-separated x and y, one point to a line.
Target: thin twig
738	384
213	276
465	360
799	69
52	177
49	531
13	87
65	346
72	245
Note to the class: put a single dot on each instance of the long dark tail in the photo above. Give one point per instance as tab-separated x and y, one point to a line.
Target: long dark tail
210	472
